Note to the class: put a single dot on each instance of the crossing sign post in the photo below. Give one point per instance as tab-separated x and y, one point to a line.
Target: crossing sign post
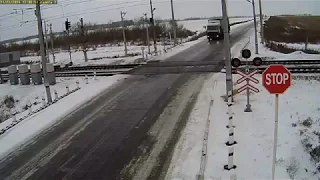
248	76
276	79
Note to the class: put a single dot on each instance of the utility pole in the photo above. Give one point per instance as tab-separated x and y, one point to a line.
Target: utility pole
153	29
124	33
229	84
174	25
0	42
84	46
68	25
255	26
70	56
147	31
261	22
164	41
43	52
46	39
170	39
52	49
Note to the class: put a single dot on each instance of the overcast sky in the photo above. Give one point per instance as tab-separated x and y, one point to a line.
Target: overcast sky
104	11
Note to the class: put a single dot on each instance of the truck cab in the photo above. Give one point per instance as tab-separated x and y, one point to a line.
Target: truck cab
215	30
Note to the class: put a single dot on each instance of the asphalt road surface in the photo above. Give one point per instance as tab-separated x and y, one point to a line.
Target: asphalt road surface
99	140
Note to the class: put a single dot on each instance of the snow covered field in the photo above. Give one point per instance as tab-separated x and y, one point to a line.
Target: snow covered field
102	55
301	46
298	153
197	25
265	52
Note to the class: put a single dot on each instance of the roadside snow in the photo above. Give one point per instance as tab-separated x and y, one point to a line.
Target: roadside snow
34	93
301	46
101	55
30	127
253	131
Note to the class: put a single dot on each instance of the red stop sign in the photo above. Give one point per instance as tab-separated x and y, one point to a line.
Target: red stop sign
276	79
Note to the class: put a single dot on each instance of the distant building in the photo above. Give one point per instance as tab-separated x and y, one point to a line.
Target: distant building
125	22
9	58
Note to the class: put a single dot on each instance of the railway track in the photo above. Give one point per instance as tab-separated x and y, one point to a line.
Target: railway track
292	69
286	62
156	63
159	67
96	67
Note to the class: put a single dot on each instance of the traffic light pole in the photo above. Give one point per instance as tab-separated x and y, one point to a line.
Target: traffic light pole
124	33
255	27
70	56
147	31
153	30
68	25
174	25
84	46
52	48
46	39
42	51
261	22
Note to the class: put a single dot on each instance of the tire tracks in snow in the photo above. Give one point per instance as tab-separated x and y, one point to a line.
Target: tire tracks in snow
203	163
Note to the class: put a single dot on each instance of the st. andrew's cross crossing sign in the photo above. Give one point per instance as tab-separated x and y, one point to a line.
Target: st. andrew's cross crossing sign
276	79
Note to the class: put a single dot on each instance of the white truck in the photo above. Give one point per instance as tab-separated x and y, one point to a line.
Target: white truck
214	29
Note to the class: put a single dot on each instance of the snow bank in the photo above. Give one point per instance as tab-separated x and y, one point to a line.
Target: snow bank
102	55
315	47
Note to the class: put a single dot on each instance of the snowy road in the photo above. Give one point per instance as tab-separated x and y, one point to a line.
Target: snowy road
102	137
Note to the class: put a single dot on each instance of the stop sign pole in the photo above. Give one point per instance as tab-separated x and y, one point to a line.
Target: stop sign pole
276	79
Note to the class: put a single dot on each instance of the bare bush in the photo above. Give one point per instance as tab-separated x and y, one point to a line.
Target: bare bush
306	144
97	34
293	167
315	154
307	122
9	101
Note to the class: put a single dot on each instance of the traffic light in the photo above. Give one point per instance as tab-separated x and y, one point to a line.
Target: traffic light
67	24
235	62
257	61
151	20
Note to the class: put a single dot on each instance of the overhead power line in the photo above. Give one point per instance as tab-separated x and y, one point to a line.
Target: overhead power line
82	13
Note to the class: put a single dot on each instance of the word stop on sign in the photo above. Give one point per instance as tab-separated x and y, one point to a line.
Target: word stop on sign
277	78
